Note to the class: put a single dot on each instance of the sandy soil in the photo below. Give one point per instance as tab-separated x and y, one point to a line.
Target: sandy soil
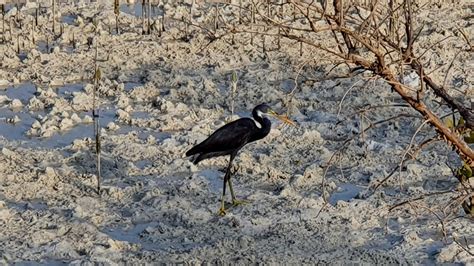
161	95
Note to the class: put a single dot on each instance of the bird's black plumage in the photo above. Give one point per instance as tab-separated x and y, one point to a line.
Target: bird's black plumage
230	138
233	136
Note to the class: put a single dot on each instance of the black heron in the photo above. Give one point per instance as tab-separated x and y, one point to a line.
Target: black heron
230	138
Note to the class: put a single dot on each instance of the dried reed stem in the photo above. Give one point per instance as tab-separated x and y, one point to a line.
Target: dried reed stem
96	118
117	13
233	90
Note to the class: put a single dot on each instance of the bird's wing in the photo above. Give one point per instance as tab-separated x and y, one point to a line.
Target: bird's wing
230	137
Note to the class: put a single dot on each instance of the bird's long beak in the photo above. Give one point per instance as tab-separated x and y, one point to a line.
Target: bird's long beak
282	118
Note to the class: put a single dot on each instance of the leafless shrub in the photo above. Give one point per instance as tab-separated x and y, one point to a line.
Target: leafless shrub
372	37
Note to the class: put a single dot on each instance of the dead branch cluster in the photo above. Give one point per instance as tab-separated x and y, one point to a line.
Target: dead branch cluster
375	37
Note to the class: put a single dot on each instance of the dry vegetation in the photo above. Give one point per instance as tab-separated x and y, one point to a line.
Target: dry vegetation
373	44
376	40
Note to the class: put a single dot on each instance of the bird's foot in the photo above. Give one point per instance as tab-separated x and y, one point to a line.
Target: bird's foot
236	202
222	212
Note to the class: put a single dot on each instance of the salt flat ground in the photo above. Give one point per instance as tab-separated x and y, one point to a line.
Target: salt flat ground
160	95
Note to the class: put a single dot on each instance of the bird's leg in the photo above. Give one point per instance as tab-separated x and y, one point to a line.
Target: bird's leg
232	192
226	179
235	201
222	209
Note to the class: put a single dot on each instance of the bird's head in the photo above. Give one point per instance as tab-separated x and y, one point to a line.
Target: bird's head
263	109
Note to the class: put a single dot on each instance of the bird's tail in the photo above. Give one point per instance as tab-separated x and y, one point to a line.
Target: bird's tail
195	158
194	155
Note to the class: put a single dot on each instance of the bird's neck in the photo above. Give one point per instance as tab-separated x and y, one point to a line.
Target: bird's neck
263	131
